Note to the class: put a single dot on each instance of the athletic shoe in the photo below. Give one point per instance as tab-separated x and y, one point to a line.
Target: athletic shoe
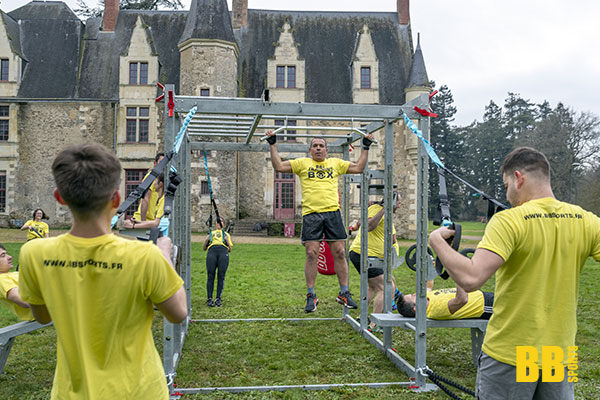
311	303
210	303
346	300
218	302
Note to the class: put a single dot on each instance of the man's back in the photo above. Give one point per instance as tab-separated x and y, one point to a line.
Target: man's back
544	244
99	292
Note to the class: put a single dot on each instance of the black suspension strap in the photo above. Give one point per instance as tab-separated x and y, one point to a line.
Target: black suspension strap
438	379
212	200
174	181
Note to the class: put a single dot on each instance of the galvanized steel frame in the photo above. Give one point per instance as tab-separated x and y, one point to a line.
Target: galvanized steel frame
248	113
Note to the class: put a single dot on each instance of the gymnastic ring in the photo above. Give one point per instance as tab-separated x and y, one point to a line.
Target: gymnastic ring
468	252
411	256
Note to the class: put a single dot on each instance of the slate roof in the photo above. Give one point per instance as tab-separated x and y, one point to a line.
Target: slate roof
56	43
418	72
14	35
208	19
326	43
50	39
100	66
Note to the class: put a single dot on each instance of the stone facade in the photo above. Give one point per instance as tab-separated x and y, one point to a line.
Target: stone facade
104	105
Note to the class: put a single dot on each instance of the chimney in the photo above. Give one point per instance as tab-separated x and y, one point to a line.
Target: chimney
239	14
111	11
403	12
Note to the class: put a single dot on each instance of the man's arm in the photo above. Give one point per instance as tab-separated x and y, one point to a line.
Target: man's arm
175	307
375	220
278	165
40	313
458	301
144	203
471	273
359	166
13	295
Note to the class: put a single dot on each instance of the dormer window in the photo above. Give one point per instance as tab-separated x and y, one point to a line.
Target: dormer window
138	73
4	70
365	77
286	80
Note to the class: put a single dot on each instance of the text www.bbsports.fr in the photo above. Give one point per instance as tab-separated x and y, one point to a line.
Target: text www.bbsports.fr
81	264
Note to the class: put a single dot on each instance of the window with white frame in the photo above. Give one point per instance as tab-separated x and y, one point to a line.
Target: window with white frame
281	122
138	73
137	128
4	123
365	77
4	69
285	76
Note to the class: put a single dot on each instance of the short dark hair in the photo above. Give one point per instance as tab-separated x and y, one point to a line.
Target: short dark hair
315	138
405	308
44	216
2	247
158	155
87	176
526	159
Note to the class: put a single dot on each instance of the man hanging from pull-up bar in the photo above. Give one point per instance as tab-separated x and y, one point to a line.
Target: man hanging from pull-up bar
320	209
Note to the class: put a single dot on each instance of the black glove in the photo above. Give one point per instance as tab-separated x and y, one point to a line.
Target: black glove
366	143
272	139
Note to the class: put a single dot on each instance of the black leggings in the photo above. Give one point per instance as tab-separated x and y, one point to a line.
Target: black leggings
217	258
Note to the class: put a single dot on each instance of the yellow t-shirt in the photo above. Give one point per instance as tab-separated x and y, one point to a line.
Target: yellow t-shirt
438	305
100	293
376	236
160	208
217	239
152	203
319	181
544	244
39	226
9	281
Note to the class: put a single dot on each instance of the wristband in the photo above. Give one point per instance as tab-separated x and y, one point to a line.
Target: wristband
366	143
272	139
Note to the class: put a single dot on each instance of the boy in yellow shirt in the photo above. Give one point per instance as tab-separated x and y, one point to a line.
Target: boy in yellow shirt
100	290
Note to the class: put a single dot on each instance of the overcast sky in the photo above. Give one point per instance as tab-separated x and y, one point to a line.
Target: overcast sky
541	49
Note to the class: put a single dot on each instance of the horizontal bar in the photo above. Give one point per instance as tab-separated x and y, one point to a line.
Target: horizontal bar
242	106
217	134
324	118
240	389
264	319
219	123
259	147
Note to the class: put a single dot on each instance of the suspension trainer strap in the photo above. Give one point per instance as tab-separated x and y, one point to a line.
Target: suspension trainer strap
212	198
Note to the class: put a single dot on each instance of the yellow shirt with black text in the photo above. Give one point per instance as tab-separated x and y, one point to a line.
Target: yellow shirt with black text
39	226
100	293
544	244
319	181
218	240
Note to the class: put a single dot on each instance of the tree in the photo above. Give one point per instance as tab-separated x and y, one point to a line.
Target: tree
86	11
569	140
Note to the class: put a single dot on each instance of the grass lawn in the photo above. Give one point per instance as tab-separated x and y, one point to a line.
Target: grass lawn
267	281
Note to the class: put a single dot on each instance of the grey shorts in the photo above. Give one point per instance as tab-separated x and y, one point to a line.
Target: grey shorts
497	381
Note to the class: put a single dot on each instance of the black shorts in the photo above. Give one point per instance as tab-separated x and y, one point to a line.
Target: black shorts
488	302
371	272
330	224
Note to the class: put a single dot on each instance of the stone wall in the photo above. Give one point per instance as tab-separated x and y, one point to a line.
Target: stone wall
45	128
